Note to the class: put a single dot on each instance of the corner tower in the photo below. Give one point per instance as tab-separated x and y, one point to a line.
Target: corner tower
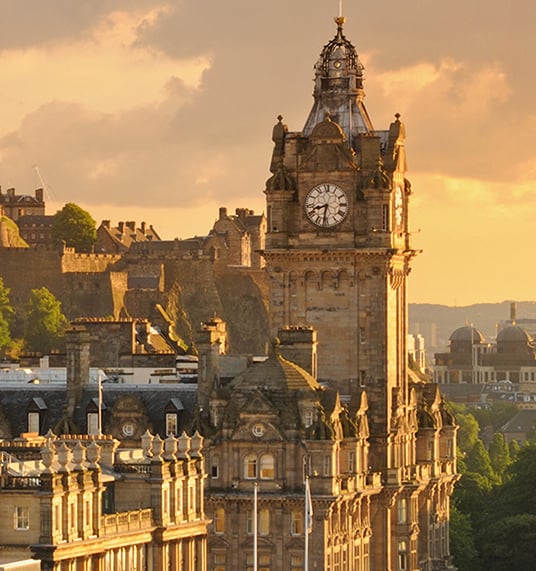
338	248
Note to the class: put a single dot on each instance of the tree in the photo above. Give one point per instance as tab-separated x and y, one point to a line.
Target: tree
462	545
6	315
509	543
45	324
74	226
499	455
478	461
468	429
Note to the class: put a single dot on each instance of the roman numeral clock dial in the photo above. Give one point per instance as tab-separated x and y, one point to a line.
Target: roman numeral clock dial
326	205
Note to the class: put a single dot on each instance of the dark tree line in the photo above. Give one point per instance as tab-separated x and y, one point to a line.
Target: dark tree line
493	512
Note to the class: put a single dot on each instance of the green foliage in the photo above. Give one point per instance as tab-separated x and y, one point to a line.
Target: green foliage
74	226
509	543
517	494
499	455
468	427
478	461
514	449
462	544
45	324
471	495
6	316
499	518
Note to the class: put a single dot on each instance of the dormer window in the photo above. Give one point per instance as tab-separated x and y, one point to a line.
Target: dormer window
171	424
308	418
36	414
92	417
173	412
33	422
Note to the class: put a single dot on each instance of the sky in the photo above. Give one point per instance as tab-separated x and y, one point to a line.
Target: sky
162	111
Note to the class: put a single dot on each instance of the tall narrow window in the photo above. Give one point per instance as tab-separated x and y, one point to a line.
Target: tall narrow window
296	522
219	562
249	522
219	520
267	471
402	510
327	465
351	462
250	466
385	217
264	522
33	422
22	517
93	423
215	467
171	424
264	562
402	556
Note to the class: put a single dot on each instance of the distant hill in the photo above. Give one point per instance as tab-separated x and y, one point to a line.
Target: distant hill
436	322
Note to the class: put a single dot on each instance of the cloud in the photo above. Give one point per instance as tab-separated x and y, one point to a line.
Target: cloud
42	23
164	107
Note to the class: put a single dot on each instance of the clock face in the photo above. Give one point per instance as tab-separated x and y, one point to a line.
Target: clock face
258	430
326	205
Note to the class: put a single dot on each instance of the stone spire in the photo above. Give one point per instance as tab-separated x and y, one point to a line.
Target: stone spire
338	88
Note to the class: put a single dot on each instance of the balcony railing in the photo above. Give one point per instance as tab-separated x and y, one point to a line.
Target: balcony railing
137	520
20	482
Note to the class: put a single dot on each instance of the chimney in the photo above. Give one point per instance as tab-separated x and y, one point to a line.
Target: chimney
39	194
77	348
121	227
513	312
131	225
106	224
223	212
143	228
299	345
10	192
211	343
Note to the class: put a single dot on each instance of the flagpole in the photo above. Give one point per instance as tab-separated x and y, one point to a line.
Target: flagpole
307	526
255	486
99	419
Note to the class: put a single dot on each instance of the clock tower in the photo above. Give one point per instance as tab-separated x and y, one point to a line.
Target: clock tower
333	412
338	248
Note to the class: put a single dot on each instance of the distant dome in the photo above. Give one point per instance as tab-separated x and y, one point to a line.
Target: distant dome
468	334
512	334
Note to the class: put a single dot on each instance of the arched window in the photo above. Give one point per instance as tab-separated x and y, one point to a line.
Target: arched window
402	556
267	471
250	467
219	520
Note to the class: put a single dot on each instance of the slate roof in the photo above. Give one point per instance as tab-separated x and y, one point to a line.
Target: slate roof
17	398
